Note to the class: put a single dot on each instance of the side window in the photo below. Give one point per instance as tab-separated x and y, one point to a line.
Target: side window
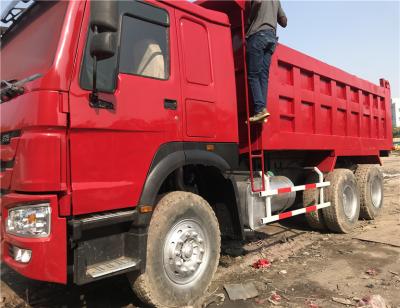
144	48
196	52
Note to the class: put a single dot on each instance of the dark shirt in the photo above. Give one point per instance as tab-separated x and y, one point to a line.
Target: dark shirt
264	15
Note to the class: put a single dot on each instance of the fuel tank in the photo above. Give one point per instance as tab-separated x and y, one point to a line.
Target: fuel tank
253	206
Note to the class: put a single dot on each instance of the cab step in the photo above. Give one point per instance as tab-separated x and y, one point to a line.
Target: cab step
110	267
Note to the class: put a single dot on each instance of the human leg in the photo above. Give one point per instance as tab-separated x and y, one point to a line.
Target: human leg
255	54
265	67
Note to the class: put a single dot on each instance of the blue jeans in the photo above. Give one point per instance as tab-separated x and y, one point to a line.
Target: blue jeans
260	47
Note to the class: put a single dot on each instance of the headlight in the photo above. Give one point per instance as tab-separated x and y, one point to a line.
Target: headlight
29	221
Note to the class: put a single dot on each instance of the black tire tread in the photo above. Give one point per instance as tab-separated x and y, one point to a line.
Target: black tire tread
362	176
311	197
332	214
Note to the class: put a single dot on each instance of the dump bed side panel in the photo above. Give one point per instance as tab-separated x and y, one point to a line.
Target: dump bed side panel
315	106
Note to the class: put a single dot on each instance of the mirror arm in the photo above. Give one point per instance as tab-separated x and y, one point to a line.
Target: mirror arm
94	96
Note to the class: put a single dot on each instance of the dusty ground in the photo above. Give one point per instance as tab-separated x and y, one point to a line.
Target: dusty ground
308	268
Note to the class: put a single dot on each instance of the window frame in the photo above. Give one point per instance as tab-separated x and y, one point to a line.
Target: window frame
167	40
137	9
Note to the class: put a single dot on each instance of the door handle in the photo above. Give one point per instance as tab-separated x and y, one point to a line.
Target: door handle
171	104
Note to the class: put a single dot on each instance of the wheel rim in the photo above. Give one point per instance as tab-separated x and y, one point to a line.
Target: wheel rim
376	192
349	202
185	252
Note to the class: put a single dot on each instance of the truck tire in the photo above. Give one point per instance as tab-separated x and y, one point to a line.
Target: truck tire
311	197
344	197
370	184
183	249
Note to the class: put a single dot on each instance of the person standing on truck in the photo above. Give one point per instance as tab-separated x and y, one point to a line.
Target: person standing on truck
261	42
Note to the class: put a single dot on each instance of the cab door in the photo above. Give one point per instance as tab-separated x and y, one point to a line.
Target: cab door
112	149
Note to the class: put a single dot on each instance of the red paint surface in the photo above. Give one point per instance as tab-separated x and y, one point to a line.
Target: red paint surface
311	208
285	215
311	186
37	165
284	190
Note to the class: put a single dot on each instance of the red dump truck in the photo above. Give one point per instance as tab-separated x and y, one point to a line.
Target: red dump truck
125	147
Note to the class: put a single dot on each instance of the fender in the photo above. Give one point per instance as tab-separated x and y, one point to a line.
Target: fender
158	174
171	156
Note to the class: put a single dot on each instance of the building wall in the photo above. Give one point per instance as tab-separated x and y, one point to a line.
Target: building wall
396	112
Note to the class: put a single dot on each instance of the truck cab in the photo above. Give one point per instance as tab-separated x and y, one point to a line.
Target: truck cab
170	100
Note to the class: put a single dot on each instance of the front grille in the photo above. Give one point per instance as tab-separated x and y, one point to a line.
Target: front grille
9	141
11	251
6	164
4	192
7	136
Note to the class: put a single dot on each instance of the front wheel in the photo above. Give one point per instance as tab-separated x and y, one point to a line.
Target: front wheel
183	249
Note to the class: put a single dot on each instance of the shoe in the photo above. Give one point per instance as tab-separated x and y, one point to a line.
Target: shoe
260	116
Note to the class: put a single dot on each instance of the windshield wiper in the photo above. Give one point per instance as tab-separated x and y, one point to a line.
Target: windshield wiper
12	13
11	89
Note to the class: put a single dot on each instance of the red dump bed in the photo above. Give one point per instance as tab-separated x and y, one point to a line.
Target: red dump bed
313	106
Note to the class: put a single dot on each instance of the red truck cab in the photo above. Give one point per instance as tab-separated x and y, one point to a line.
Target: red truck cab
142	171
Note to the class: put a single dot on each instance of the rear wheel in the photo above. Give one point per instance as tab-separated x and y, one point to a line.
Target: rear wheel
344	196
370	184
311	197
183	249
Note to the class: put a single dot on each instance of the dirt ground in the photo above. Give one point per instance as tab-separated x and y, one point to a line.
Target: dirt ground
308	269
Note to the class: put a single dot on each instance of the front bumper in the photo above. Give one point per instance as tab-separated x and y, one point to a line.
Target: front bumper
49	255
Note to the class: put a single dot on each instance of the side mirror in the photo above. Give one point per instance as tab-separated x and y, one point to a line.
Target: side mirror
103	46
104	15
104	18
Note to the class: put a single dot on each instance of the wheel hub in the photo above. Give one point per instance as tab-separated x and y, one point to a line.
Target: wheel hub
349	202
185	252
376	192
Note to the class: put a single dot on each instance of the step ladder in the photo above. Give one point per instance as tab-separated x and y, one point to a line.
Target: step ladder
256	154
255	128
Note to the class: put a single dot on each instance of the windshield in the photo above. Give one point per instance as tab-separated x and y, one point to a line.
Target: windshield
31	45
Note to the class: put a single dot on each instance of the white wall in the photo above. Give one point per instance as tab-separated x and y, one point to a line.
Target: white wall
396	112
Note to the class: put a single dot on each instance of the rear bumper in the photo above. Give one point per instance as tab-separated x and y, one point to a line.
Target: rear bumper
49	255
